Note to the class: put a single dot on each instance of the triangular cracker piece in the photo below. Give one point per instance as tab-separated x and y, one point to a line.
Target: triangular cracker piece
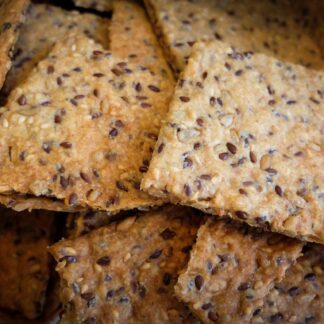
82	128
12	16
231	268
244	134
272	27
24	260
299	297
125	272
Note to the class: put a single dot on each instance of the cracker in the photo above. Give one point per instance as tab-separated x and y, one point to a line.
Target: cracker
132	37
25	202
24	261
231	268
299	297
128	269
269	27
244	135
100	5
82	128
12	16
34	43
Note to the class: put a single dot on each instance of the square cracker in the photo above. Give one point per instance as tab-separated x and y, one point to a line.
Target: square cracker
299	297
24	260
125	272
82	128
244	134
34	44
100	5
232	267
12	16
271	27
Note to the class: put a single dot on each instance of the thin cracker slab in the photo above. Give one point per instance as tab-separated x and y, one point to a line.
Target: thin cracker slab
82	128
100	5
298	298
245	134
34	44
274	28
231	268
12	16
24	260
125	272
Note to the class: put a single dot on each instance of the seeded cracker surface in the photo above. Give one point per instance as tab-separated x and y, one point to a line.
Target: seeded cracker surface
231	268
34	44
82	87
12	16
298	298
24	261
125	273
245	134
101	5
271	27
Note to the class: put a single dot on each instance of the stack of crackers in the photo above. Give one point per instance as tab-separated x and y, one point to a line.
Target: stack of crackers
166	158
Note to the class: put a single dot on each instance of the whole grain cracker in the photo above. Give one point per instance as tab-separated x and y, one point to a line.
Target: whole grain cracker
232	267
82	128
244	134
125	272
298	298
12	16
34	44
100	5
24	260
274	28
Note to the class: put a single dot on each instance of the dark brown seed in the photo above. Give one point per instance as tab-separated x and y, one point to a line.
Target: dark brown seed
228	66
85	177
276	317
187	163
167	279
220	101
22	100
243	286
96	52
256	312
293	291
199	282
231	147
46	148
270	90
119	123
120	185
145	105
187	190
69	259
66	145
184	99
98	75
138	87
77	69
96	92
59	81
104	261
204	75
212	101
271	102
223	156
291	102
206	306
142	291
50	69
110	294
197	146
310	276
113	132
239	72
155	254
116	72
168	234
278	191
213	316
241	214
200	122
242	192
253	157
161	147
154	88
57	119
64	182
143	169
87	296
205	177
73	199
22	156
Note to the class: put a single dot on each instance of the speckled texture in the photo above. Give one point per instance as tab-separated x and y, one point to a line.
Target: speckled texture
245	134
275	28
45	25
12	16
232	267
24	261
100	5
299	297
82	128
125	273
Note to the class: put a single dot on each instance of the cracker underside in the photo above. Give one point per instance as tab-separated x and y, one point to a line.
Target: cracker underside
128	269
244	135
